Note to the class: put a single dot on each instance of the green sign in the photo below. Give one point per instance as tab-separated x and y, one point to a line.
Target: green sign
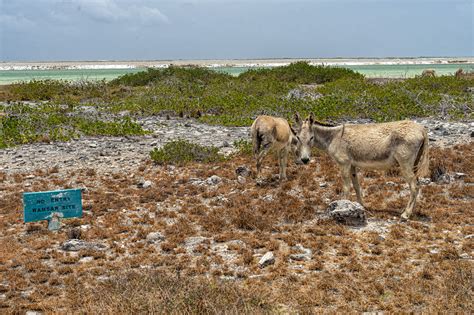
48	204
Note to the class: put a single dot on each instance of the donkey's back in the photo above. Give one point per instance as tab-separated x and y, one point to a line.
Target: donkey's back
382	145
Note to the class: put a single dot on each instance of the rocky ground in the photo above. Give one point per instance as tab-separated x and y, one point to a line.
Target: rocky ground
113	154
212	220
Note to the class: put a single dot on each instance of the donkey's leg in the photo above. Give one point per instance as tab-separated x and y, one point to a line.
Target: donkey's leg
260	156
412	181
346	180
355	183
283	160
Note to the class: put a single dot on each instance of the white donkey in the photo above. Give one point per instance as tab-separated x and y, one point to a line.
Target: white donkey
272	133
368	146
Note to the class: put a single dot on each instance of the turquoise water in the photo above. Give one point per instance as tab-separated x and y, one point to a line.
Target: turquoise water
386	71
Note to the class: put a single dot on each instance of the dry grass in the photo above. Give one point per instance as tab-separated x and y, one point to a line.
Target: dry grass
158	292
419	266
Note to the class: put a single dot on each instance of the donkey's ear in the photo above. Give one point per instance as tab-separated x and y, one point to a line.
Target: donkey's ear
293	131
298	119
311	119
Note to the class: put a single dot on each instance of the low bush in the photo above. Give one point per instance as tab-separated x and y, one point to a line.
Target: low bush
47	122
302	73
182	151
183	74
244	147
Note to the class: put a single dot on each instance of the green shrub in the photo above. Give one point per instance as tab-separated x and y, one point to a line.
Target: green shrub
122	127
184	74
302	73
58	90
244	147
48	122
182	151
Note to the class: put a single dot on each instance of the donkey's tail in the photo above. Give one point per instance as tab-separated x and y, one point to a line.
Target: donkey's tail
422	162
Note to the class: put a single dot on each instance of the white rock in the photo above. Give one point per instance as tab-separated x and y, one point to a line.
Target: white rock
144	184
347	212
304	253
74	245
155	237
268	198
86	259
213	180
241	180
267	259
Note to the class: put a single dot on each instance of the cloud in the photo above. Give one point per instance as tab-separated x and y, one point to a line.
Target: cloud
110	11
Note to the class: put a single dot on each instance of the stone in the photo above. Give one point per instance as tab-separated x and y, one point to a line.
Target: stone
86	259
268	198
347	212
241	180
213	180
75	245
459	175
266	260
153	237
304	253
323	184
465	256
242	170
424	181
144	184
468	237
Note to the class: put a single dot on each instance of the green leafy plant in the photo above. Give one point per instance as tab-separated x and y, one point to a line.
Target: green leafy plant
182	151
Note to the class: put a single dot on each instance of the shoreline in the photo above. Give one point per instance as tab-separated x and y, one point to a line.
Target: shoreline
231	63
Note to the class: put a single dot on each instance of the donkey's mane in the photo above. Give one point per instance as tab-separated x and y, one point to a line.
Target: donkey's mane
324	124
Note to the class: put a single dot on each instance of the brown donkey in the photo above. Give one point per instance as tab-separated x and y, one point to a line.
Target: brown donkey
272	133
368	146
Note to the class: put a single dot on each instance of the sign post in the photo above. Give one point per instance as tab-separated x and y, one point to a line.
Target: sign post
52	206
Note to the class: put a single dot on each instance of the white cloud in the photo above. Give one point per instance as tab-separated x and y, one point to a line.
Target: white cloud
112	11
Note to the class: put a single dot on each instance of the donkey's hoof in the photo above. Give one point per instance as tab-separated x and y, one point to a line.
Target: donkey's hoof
404	217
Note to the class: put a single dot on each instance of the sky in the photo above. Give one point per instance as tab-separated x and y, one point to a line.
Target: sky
53	30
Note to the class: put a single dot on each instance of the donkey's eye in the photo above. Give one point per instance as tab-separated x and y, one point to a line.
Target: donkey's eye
311	139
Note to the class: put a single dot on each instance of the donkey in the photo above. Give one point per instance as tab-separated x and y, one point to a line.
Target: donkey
368	146
272	133
428	73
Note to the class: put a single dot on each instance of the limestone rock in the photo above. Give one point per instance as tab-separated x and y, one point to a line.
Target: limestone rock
144	184
242	171
74	245
347	212
266	260
153	237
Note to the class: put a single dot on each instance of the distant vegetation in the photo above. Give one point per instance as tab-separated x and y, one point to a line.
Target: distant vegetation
181	152
329	92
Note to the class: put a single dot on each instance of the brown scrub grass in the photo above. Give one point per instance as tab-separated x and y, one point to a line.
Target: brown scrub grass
419	266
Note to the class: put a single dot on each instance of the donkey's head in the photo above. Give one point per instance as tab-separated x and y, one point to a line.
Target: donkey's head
304	135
